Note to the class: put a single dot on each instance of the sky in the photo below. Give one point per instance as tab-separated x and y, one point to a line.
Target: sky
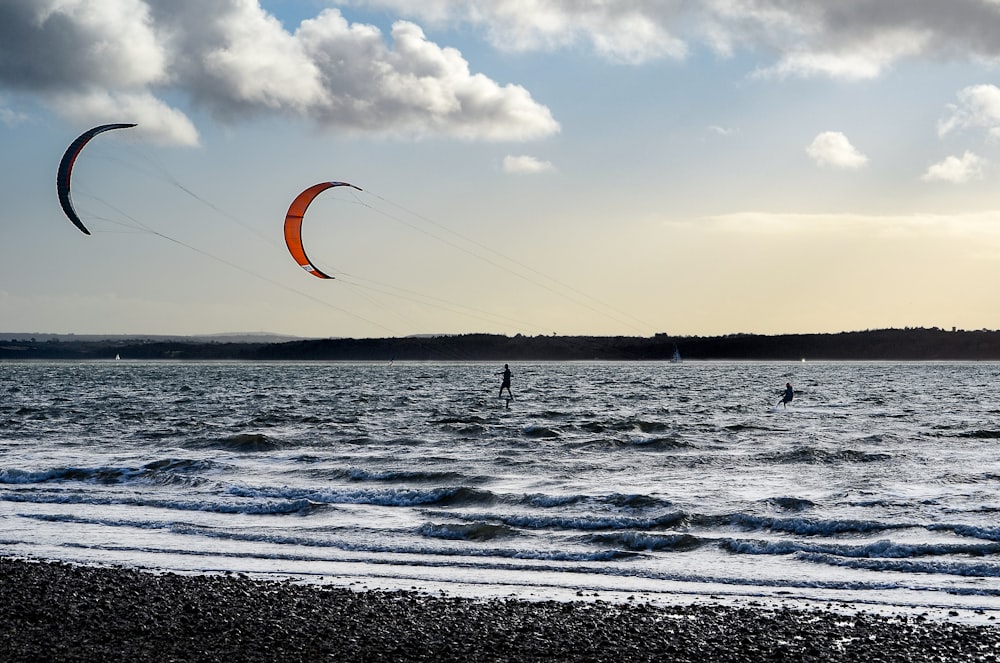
599	167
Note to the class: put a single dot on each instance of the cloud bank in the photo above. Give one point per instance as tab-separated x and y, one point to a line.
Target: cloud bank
101	60
847	39
98	60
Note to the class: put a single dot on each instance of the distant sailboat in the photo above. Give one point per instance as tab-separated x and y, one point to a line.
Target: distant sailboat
676	357
118	357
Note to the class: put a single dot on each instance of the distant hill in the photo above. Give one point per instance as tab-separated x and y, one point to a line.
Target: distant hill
242	337
882	344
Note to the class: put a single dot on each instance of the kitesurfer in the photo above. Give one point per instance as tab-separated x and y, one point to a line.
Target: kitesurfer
789	394
506	382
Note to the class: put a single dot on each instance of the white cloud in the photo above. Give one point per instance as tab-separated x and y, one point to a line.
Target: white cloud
237	60
856	60
525	165
47	44
251	61
157	121
633	32
832	148
978	108
717	130
415	87
956	169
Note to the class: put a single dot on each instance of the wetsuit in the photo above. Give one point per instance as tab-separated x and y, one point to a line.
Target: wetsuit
506	382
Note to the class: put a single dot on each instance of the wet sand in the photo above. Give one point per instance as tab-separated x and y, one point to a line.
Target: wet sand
61	612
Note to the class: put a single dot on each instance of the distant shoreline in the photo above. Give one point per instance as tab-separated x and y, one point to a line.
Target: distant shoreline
917	344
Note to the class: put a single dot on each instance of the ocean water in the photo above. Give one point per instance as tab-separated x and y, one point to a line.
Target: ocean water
878	485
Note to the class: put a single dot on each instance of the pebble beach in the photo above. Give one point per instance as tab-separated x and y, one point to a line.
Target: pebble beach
54	611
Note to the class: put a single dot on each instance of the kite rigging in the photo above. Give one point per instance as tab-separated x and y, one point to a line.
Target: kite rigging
293	225
66	170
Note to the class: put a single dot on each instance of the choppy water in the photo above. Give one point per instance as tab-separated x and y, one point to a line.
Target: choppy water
879	484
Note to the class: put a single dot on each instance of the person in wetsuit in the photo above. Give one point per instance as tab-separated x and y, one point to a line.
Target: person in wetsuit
506	382
787	398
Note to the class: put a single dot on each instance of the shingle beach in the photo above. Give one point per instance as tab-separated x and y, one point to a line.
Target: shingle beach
61	612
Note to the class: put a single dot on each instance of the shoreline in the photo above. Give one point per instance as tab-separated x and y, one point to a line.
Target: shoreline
57	611
910	344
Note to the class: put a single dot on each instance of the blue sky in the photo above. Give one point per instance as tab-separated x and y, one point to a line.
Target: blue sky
529	167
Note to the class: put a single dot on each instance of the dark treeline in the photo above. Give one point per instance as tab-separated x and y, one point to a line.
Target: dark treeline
882	344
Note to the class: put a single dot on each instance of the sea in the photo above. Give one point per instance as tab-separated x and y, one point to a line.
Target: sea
877	486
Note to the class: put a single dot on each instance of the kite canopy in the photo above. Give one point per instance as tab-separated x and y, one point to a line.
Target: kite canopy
66	170
293	225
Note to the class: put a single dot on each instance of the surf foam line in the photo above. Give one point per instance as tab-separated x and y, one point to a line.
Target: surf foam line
964	569
170	471
271	507
884	549
334	543
576	523
542	568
